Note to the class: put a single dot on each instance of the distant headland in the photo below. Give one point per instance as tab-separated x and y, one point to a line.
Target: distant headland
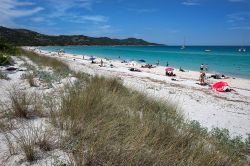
24	37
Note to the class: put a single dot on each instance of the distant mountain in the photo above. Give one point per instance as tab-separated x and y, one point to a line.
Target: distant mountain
24	37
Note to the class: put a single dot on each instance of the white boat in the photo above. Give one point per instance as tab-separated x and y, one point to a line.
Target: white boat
242	50
207	50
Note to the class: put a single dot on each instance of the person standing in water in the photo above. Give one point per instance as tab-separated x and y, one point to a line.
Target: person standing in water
202	67
167	64
206	67
158	62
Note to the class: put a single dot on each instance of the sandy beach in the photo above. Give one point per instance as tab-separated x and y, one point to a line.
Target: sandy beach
230	110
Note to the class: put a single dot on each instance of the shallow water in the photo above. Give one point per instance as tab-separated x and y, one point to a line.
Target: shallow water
222	60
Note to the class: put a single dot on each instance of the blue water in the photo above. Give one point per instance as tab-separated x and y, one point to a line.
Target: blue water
221	60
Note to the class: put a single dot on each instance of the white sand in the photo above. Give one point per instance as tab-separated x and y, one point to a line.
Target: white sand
230	110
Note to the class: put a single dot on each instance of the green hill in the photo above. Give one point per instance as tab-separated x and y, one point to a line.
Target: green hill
24	37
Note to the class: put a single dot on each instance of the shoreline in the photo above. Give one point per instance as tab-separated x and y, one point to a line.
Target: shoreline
188	74
230	110
176	66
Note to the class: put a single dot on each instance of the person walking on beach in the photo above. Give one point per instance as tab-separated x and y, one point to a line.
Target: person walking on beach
202	67
101	63
202	78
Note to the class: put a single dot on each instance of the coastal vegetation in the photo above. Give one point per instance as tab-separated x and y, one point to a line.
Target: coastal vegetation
23	37
99	121
6	50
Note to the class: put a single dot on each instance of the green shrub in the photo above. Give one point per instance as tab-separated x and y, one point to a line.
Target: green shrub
5	59
8	48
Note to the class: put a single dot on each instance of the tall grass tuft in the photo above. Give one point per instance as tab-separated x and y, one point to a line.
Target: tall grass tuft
4	76
24	104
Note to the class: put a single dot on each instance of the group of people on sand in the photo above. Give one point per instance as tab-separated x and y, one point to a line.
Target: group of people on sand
203	74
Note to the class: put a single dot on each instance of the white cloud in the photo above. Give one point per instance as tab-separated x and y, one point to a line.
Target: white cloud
10	9
240	28
190	3
98	31
38	19
61	7
95	19
237	17
239	21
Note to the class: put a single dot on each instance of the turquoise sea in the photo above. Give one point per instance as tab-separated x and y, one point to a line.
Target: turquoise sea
222	60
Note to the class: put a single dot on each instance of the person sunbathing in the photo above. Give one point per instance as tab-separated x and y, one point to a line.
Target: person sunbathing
147	66
170	73
134	69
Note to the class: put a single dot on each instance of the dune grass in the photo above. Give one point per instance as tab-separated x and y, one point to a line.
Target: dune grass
108	124
58	66
31	140
24	104
4	76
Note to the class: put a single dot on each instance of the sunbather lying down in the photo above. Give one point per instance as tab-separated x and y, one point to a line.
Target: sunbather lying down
217	76
170	73
134	69
147	66
123	61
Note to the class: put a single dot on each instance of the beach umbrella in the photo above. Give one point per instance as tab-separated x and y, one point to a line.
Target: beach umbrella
220	86
169	69
142	60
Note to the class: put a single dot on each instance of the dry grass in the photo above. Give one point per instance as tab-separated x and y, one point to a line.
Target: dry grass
4	76
58	66
24	104
30	77
31	140
107	124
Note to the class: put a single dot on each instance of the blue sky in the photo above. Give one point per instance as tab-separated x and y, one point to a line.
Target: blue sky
201	22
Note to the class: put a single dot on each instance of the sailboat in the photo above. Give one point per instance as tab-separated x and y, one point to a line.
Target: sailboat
183	46
242	49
